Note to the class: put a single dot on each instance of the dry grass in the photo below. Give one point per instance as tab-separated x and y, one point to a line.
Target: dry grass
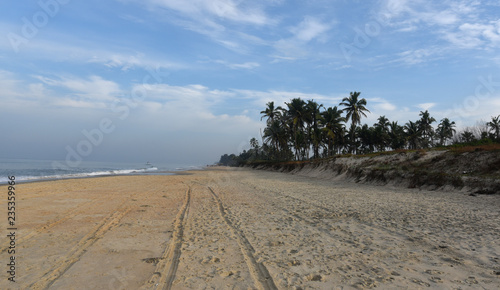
463	149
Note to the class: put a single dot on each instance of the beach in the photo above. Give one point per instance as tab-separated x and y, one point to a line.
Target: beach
226	228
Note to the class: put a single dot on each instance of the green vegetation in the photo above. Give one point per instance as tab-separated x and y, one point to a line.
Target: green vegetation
306	130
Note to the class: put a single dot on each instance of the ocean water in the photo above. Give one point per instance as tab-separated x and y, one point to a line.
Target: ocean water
36	170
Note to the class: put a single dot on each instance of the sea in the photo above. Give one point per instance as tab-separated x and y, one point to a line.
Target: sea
26	170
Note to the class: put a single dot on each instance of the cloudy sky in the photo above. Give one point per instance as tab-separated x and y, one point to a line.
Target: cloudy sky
183	81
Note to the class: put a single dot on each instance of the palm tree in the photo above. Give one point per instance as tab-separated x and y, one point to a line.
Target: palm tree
396	136
445	130
314	132
495	127
367	138
276	134
271	136
381	132
354	109
383	122
413	134
254	143
425	127
467	136
271	112
331	120
297	115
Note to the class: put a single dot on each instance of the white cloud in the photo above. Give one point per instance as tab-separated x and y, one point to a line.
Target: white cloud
306	31
259	99
416	56
289	49
94	88
309	29
191	109
79	50
380	107
9	84
471	109
426	106
72	103
444	18
110	58
184	97
386	106
122	61
17	94
396	7
246	65
457	22
345	66
476	35
219	20
208	10
49	93
424	12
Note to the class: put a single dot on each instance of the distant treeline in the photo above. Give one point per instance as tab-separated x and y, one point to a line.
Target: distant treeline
306	130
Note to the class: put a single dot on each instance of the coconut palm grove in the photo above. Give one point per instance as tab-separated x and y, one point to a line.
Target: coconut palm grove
306	130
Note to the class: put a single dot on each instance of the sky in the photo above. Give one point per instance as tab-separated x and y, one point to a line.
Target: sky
184	81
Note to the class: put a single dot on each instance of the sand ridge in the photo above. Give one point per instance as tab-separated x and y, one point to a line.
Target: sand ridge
244	229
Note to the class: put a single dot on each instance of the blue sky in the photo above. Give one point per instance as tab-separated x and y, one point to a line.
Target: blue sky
184	81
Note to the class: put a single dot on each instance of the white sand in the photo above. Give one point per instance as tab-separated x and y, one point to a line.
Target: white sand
241	229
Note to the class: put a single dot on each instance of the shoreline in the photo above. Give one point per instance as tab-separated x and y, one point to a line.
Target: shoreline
248	228
159	173
27	170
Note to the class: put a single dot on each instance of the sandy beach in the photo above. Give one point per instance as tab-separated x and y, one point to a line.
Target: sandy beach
246	229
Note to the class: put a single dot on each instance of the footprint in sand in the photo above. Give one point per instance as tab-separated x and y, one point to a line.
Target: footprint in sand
314	277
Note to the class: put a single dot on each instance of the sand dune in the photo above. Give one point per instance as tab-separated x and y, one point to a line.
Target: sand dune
244	229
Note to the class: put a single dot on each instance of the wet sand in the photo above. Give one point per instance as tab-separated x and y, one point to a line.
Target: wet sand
243	229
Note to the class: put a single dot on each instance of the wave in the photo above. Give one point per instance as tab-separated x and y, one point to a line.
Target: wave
4	180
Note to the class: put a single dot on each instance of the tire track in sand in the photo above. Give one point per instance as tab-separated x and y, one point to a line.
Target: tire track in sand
258	271
58	220
61	218
79	249
164	275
